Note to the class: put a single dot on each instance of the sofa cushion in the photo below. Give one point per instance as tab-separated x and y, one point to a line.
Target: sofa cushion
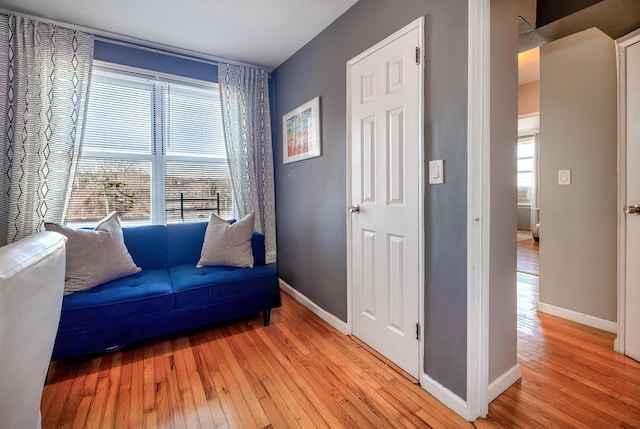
227	243
95	257
147	245
184	242
197	286
144	293
257	248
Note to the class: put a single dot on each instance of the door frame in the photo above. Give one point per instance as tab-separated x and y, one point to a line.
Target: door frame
478	213
478	209
419	24
621	49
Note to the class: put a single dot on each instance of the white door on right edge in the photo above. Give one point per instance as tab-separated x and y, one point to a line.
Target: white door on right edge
385	173
632	299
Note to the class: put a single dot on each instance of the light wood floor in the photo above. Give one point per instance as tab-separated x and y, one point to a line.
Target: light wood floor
528	260
571	377
297	373
301	373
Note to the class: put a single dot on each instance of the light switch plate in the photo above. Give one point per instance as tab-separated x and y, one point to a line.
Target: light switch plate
564	177
436	172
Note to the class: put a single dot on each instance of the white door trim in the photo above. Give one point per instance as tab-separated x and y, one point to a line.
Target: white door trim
478	209
478	221
419	24
621	50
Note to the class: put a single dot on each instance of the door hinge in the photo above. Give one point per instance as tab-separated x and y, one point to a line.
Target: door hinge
417	55
418	331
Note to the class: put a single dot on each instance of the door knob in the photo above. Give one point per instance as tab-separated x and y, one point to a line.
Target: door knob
634	209
354	209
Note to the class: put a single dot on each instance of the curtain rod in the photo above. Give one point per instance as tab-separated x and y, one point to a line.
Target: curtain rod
133	42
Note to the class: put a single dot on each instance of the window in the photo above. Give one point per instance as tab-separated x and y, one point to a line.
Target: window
153	150
525	169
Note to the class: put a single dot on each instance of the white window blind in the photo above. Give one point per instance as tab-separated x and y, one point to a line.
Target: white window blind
153	151
525	169
119	114
195	122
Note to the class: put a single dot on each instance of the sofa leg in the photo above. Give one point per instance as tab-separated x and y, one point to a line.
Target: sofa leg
266	316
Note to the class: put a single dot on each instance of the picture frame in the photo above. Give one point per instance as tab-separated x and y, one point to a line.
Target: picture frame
301	132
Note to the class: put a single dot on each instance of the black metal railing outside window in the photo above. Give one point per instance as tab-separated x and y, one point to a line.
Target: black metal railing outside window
187	205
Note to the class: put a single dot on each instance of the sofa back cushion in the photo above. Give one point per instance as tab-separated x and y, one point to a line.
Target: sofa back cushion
257	246
185	244
147	245
160	246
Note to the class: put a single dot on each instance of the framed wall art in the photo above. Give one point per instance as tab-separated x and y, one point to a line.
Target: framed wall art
301	132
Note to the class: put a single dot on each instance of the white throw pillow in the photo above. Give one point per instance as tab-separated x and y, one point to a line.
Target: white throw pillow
226	243
95	257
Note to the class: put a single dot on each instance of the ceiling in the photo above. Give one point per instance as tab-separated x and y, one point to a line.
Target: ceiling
266	33
556	20
613	17
263	33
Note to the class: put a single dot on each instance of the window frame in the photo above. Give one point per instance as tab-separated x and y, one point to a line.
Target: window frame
525	139
157	155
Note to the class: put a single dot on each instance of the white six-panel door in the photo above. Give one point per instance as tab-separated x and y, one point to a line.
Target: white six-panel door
385	173
632	304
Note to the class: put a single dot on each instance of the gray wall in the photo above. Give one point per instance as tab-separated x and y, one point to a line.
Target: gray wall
504	135
311	195
578	131
529	98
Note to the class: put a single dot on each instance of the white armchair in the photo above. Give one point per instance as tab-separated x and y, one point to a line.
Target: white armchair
31	288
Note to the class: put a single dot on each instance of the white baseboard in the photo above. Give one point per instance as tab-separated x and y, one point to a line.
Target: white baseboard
585	319
323	314
617	346
503	382
446	396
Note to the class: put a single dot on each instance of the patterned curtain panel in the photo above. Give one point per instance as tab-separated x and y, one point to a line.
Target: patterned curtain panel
44	81
244	94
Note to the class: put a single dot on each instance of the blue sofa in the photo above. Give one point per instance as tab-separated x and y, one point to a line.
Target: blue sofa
169	295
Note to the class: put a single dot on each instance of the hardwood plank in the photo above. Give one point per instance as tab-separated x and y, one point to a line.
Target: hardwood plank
259	367
99	401
528	260
237	415
262	380
184	388
136	407
571	377
160	387
148	382
51	403
299	372
80	417
207	365
123	404
235	357
178	416
310	409
302	373
72	404
234	382
188	368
